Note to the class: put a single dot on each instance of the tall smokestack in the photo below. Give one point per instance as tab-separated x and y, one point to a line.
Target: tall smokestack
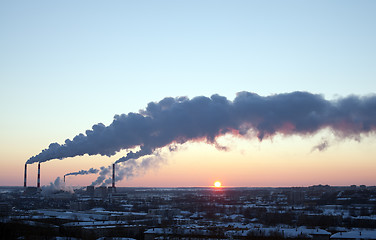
113	177
38	180
64	178
25	176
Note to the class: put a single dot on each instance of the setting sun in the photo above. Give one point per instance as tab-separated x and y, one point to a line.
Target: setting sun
217	184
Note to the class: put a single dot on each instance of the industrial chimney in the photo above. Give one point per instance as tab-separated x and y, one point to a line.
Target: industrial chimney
113	177
25	176
38	180
64	178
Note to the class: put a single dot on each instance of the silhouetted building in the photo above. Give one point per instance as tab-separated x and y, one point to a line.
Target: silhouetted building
101	192
90	191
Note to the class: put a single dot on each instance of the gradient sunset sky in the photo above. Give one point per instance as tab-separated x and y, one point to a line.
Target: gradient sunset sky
67	65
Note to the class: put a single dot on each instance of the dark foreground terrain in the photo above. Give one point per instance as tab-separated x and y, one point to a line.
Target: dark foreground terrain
316	212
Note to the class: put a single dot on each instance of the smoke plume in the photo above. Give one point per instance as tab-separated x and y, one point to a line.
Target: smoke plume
102	175
321	146
178	120
129	169
83	172
56	186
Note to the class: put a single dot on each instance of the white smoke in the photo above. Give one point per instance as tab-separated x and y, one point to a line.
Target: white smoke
56	186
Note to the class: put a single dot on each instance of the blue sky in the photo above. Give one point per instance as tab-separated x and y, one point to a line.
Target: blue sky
67	65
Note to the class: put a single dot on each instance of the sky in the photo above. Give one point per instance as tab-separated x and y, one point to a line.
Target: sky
65	66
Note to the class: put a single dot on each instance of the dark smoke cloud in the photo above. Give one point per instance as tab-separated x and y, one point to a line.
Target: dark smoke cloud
83	172
178	120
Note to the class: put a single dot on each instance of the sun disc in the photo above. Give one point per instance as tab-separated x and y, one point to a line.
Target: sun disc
217	184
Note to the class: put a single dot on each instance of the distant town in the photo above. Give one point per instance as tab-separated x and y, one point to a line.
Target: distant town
315	212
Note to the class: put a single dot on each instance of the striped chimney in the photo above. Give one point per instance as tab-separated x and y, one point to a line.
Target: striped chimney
25	176
38	180
113	176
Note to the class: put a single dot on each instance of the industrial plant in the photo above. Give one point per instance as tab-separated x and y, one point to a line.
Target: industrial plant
104	211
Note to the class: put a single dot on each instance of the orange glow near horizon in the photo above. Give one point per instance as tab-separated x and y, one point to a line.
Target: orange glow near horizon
281	162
